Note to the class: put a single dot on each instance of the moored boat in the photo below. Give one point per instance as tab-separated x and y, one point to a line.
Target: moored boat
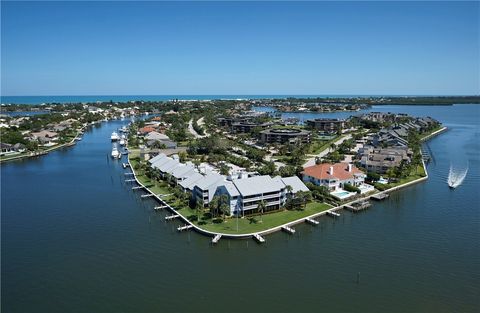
114	136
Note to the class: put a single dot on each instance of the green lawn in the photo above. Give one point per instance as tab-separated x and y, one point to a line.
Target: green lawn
319	146
413	176
257	223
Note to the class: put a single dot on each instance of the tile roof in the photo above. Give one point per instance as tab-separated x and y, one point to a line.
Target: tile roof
340	171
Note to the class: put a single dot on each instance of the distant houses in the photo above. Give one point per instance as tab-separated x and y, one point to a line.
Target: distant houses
327	125
285	135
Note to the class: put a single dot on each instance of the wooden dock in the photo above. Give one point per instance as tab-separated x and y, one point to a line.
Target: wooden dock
312	221
171	217
216	238
333	214
126	174
129	180
160	207
148	195
186	227
137	187
289	230
259	238
379	196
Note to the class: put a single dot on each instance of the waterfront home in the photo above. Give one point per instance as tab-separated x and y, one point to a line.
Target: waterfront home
153	135
145	130
204	189
333	176
44	136
6	148
245	193
181	172
284	135
329	125
189	182
168	144
380	160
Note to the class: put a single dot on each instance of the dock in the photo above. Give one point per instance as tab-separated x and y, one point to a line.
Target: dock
333	214
129	180
312	221
216	238
358	206
186	227
259	238
125	165
160	207
171	217
129	174
148	195
289	230
379	196
137	187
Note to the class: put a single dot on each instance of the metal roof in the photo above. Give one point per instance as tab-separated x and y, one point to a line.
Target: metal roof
258	185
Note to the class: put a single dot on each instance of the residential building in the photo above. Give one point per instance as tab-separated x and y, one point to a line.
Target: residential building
284	135
380	160
330	125
333	176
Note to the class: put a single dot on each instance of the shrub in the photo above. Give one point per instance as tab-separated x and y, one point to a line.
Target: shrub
351	188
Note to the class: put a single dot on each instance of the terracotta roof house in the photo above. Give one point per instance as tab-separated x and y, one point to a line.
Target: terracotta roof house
146	130
333	176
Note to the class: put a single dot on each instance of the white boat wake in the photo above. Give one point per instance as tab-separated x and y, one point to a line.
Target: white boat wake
455	177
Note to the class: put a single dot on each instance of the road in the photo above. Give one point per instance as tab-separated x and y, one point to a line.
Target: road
311	160
192	131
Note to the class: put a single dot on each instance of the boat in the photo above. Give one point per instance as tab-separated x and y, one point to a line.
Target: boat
115	153
123	129
122	140
114	136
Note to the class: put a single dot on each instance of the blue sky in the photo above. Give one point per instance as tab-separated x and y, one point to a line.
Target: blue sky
317	48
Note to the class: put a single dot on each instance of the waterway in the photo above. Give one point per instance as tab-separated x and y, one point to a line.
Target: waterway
76	238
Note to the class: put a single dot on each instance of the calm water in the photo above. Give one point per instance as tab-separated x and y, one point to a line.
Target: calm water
123	98
75	238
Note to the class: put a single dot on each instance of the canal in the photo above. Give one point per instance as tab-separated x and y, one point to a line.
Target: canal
76	238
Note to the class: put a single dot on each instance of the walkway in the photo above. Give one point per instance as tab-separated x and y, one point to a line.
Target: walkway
192	131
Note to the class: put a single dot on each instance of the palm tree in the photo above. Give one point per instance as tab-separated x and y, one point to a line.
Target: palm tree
261	208
224	205
213	205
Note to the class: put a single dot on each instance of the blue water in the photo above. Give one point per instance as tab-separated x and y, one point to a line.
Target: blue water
76	238
124	98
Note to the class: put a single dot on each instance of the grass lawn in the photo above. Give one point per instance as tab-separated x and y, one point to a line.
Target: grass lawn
254	224
319	146
413	176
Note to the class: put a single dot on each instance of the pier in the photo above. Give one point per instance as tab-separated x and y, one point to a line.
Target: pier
137	187
379	196
333	214
289	230
216	238
259	238
129	180
171	217
358	206
147	195
160	207
126	174
185	227
312	221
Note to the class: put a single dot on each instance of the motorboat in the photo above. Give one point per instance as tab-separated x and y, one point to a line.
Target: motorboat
115	153
122	140
123	129
114	136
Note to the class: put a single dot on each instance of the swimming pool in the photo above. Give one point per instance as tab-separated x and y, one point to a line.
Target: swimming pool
342	194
